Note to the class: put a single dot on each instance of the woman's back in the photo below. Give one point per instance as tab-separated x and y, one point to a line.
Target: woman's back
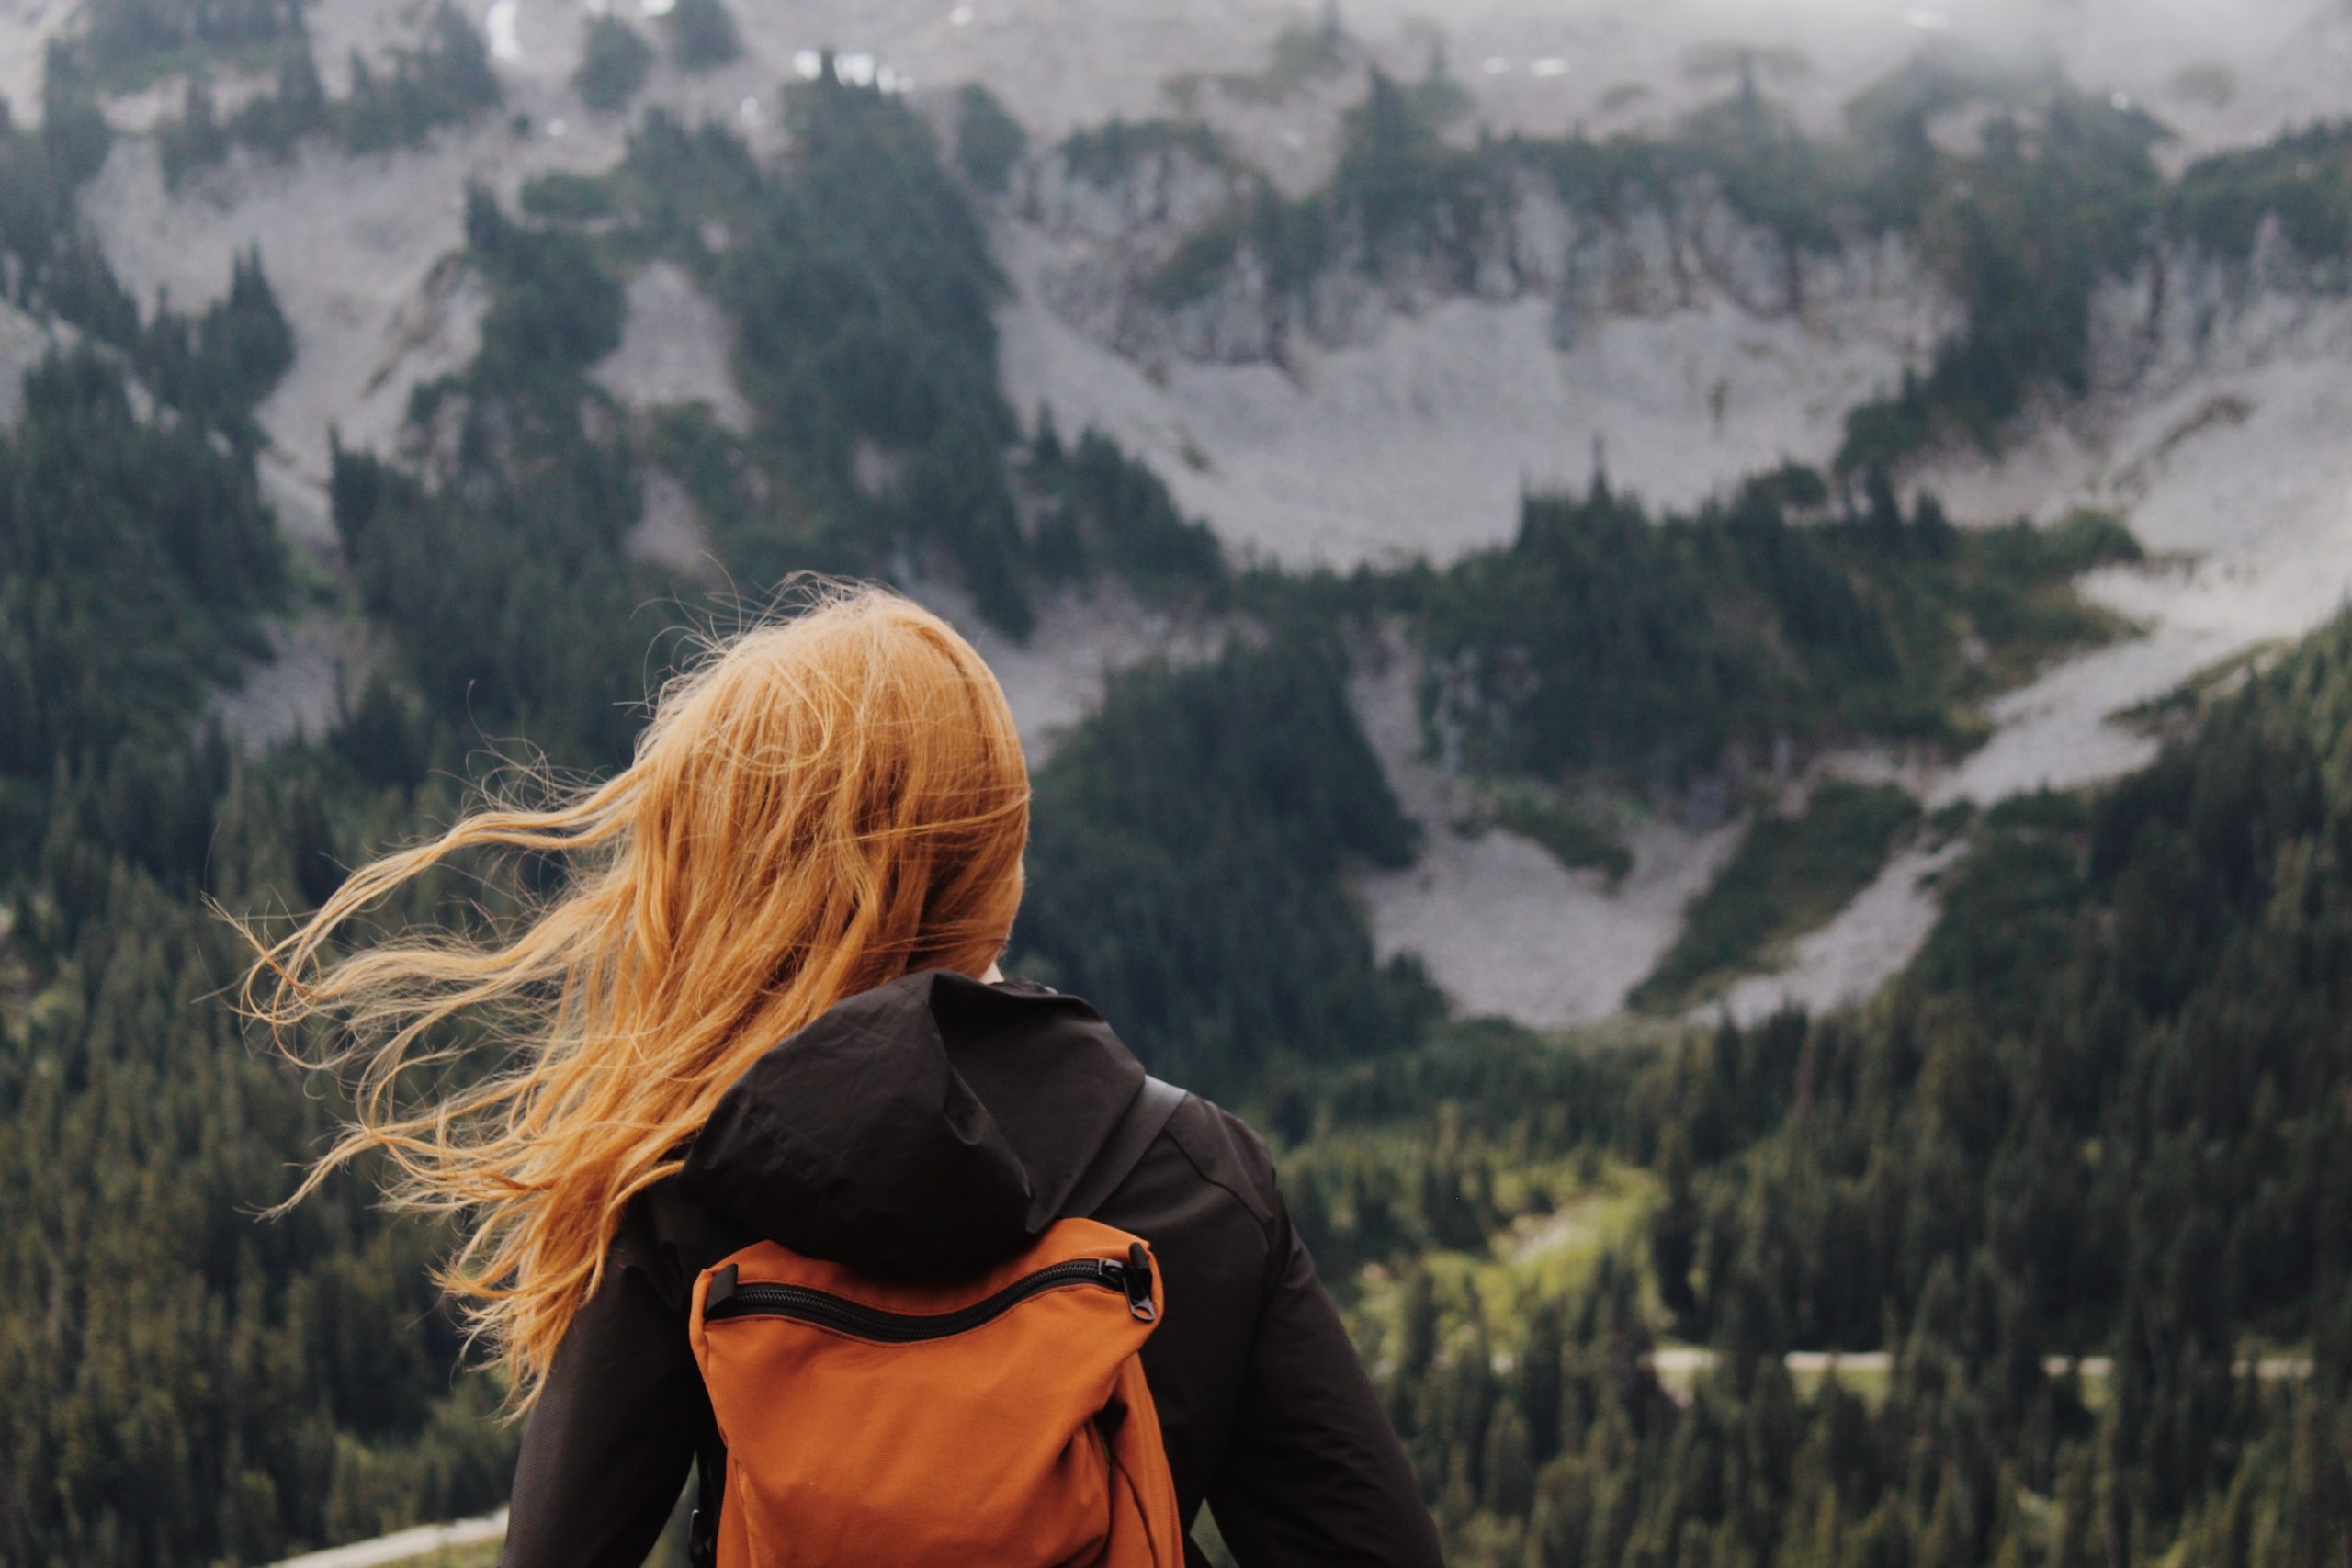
934	1126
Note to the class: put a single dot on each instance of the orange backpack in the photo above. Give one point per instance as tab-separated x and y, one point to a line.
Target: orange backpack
996	1422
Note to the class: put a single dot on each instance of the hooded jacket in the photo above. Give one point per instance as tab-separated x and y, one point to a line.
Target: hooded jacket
933	1126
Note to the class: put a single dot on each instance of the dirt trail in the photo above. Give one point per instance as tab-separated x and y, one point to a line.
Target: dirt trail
405	1546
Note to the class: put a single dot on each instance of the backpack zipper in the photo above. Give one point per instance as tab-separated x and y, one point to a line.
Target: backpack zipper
724	1299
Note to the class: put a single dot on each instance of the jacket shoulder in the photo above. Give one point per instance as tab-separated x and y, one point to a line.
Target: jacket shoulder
1227	1153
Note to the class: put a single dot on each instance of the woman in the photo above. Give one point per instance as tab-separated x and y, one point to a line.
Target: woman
818	848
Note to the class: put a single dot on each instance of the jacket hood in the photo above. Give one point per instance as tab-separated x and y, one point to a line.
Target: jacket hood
933	1126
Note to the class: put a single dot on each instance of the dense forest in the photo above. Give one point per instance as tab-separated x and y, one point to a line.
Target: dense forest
2102	1117
2096	1119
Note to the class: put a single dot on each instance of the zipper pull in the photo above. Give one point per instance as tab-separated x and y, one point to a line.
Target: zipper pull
1138	1283
722	1286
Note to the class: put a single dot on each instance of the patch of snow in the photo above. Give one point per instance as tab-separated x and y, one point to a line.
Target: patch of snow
1503	926
305	512
359	251
27	27
1057	677
318	660
670	533
1422	440
501	24
1870	942
675	347
407	1546
2231	458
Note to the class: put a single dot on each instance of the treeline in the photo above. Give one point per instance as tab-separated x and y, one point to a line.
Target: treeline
120	37
1187	870
444	79
1658	651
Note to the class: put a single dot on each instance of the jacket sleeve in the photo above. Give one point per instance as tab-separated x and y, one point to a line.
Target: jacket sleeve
1314	1473
608	1446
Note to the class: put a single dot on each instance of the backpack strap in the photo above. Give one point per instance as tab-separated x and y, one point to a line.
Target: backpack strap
710	1486
1147	1115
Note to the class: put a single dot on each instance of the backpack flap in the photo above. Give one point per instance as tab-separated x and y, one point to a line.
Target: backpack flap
1003	1419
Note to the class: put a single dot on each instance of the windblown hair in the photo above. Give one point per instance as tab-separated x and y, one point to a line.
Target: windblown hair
819	805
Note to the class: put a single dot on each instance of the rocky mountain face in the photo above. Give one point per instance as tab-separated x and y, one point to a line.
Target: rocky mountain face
1326	411
1118	235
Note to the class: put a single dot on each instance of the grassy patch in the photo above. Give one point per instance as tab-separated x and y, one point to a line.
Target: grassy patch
1792	875
1573	1212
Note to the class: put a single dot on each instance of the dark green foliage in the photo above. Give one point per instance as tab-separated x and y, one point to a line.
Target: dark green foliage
1301	55
189	1385
381	738
197	140
58	268
1602	640
2114	1080
233	356
613	63
2304	178
507	586
1792	874
92	500
445	80
1183	875
121	35
1576	839
1393	171
1108	154
186	1385
1101	510
862	291
554	309
2104	1116
276	123
1768	169
564	197
2023	235
702	35
989	143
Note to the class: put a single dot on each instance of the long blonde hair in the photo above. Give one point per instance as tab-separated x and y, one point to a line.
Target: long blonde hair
819	805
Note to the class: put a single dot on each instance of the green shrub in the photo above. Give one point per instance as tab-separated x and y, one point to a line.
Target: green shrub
990	142
702	35
613	64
